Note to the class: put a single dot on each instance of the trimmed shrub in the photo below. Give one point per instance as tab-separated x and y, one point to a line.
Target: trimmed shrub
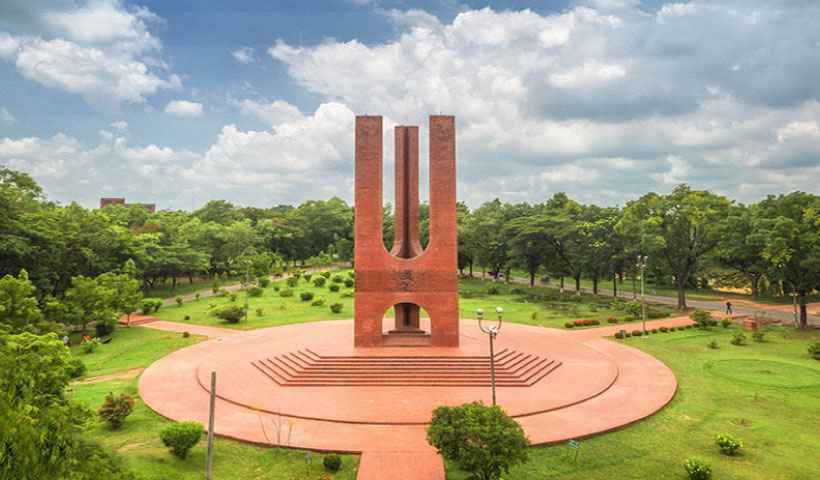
569	325
728	444
713	345
255	291
306	296
619	335
663	329
114	410
637	333
492	290
179	300
701	317
654	330
759	337
697	469
181	437
349	282
229	313
627	335
814	351
276	288
336	307
197	296
307	277
286	292
90	345
334	287
319	281
263	281
149	305
187	317
351	274
612	320
325	274
75	368
347	294
292	281
186	334
461	435
260	312
725	323
332	462
318	302
232	297
338	279
738	339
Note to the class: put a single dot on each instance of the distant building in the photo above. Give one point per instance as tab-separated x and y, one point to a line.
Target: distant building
105	201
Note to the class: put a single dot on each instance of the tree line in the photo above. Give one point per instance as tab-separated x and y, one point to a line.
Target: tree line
691	237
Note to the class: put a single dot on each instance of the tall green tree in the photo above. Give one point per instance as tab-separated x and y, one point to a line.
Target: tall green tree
679	229
89	301
18	305
741	246
792	242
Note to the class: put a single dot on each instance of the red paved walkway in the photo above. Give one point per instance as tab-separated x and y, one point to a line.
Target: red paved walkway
598	385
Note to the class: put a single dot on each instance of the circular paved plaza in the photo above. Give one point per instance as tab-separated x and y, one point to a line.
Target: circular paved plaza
305	386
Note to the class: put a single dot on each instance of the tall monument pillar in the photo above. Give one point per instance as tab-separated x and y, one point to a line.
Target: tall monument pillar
407	278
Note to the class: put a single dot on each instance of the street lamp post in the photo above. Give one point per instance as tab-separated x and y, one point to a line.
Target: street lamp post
794	301
492	332
642	259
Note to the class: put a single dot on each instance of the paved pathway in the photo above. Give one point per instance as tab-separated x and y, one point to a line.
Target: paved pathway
741	307
635	385
201	330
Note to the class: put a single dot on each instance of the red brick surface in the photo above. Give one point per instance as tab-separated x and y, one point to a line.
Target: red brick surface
406	276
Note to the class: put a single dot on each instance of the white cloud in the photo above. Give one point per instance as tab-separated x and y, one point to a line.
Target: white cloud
6	118
273	113
100	50
184	108
244	55
120	125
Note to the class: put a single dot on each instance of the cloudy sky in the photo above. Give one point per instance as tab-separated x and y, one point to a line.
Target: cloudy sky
254	102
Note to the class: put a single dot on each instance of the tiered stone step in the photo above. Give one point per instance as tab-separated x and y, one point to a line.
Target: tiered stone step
305	368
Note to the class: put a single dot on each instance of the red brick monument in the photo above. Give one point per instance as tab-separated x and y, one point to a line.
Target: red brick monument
407	277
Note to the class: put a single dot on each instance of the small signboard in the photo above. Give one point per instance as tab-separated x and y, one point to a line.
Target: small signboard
575	445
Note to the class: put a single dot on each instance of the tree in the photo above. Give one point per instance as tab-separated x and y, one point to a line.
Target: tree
530	245
792	242
88	301
42	428
679	229
741	245
490	243
126	295
482	440
18	306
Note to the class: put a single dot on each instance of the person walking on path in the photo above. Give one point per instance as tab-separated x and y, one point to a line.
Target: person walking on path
728	308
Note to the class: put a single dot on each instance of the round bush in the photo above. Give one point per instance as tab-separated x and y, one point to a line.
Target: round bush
728	444
349	282
319	281
181	437
663	329
338	279
332	462
814	351
697	469
738	339
292	281
286	292
187	317
637	333
229	313
325	274
263	281
186	334
336	307
725	323
260	312
306	296
103	329
334	287
612	320
179	300
569	325
255	291
114	410
318	302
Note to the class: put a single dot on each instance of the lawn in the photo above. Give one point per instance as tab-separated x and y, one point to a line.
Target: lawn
138	440
534	306
766	394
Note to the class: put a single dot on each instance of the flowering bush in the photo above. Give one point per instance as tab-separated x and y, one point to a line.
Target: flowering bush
728	444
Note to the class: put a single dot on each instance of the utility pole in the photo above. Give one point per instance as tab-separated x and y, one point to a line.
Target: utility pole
210	460
642	259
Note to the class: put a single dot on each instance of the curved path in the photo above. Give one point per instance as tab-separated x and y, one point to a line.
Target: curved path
304	386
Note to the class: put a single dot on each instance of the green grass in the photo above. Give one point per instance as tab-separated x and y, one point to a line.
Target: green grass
766	394
138	442
131	347
276	310
184	287
519	306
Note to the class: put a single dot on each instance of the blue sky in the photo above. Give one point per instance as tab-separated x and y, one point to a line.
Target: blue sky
181	102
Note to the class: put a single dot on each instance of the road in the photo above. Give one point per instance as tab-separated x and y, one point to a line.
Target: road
739	307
